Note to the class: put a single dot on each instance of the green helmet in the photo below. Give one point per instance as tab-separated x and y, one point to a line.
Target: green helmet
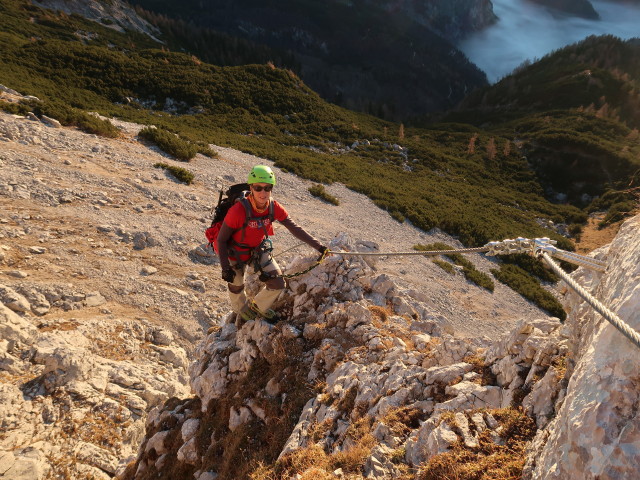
261	174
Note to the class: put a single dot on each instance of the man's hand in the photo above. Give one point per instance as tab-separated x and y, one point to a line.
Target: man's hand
228	274
324	252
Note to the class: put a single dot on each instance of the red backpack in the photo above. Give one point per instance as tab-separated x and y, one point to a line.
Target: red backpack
233	194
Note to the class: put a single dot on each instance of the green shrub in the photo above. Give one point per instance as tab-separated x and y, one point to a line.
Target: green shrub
169	143
206	150
74	117
575	229
469	270
530	264
318	190
618	211
518	280
446	266
180	173
14	108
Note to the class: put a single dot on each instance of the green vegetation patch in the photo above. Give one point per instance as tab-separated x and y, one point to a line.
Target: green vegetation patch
518	279
619	204
319	191
67	116
170	143
446	266
179	173
469	270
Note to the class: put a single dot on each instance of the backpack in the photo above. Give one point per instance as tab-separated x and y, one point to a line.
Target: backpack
233	194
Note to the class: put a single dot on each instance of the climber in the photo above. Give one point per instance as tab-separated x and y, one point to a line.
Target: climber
243	240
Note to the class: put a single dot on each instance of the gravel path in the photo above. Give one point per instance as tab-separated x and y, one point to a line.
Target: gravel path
111	222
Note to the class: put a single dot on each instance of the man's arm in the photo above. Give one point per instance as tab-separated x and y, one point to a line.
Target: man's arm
224	235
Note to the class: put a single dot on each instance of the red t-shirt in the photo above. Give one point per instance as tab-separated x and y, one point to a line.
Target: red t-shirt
254	232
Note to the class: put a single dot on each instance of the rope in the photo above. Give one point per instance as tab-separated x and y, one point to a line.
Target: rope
611	317
427	252
314	265
289	249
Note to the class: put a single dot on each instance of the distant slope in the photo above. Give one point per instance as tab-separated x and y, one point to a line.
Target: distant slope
354	54
469	181
575	113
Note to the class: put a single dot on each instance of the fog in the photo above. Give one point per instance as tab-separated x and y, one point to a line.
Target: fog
525	30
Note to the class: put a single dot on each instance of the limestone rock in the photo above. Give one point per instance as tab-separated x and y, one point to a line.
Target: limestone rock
13	300
595	433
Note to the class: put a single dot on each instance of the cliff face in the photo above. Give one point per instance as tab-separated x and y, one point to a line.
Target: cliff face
597	430
452	19
114	13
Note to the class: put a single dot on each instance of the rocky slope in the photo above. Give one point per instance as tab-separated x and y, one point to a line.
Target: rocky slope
394	392
108	297
106	286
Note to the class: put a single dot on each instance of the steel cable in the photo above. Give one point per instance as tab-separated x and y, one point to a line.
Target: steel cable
611	317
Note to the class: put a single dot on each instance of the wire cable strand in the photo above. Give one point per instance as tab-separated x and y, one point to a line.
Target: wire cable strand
611	317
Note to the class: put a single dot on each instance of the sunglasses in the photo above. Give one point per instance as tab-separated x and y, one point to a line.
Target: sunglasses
259	188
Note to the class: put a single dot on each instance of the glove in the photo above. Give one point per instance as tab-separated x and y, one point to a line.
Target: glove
323	252
228	274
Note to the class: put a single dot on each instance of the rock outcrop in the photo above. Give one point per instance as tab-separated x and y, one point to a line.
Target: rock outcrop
78	388
360	371
596	432
114	14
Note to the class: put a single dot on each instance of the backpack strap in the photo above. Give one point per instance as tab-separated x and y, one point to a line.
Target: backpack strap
247	215
247	209
272	215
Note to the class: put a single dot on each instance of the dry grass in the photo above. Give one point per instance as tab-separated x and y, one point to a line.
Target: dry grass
111	346
348	401
312	462
489	461
61	326
486	375
560	366
97	428
380	314
403	420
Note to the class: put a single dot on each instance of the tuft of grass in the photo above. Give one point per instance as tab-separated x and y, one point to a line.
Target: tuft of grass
319	191
170	143
179	173
380	313
313	460
489	460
